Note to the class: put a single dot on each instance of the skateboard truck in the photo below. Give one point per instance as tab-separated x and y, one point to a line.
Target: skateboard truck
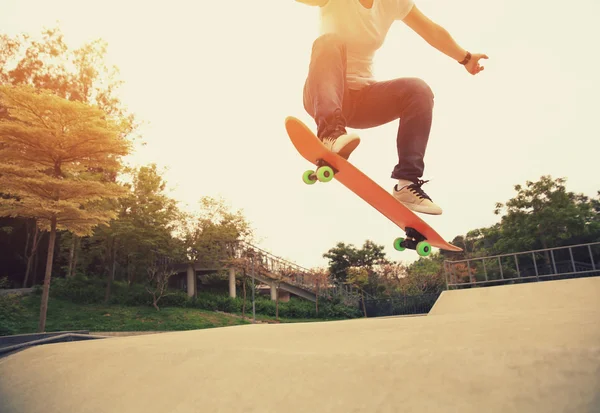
324	173
414	241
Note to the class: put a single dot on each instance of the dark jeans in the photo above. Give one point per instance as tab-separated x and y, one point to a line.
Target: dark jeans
408	99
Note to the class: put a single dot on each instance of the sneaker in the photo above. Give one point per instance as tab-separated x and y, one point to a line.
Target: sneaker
343	145
414	198
336	139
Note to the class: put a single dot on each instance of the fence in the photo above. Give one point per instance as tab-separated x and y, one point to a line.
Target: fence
581	260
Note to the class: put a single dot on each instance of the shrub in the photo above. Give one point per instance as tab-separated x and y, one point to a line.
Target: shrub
11	312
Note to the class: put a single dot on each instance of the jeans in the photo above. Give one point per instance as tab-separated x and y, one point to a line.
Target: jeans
327	99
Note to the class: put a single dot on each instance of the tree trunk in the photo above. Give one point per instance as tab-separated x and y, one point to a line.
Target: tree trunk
317	299
244	295
114	260
110	275
31	254
76	255
71	255
46	291
28	270
363	303
277	302
36	264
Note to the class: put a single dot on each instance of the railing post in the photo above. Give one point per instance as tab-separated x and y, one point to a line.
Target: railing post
537	275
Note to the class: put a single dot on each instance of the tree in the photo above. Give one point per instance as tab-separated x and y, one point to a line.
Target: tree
320	277
213	234
359	277
79	75
343	256
50	149
146	225
159	273
425	276
544	214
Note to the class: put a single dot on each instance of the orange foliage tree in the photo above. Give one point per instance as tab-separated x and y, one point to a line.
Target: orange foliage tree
53	157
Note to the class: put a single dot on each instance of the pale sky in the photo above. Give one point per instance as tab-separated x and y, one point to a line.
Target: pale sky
215	81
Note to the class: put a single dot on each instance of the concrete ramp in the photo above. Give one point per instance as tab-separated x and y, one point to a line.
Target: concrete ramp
561	295
521	360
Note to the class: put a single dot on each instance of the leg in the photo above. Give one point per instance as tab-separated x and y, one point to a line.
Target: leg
326	96
411	101
407	99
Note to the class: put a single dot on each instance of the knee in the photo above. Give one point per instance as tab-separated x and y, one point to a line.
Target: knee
421	90
328	41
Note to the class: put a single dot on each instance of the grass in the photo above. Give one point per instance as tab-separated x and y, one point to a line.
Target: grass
64	315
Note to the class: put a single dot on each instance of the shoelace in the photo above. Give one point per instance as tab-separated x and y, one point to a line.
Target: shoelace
416	189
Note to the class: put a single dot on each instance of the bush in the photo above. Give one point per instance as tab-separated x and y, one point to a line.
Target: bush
78	290
217	302
134	295
82	290
11	313
173	299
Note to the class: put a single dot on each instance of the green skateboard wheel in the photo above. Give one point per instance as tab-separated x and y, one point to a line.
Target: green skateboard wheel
325	174
423	248
306	177
398	244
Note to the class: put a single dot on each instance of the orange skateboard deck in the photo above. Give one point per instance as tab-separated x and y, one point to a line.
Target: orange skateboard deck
419	235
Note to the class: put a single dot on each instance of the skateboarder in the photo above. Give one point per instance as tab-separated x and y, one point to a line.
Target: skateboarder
340	90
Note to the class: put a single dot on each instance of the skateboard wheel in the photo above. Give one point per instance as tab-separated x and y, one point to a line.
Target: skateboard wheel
308	177
325	174
423	248
398	244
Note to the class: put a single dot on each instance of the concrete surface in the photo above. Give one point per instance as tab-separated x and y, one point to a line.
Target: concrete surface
542	358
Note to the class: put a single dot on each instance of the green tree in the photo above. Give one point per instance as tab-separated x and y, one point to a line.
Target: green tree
425	276
343	256
214	232
544	214
146	226
49	150
359	278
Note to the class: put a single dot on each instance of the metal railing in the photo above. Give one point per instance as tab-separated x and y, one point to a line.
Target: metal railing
572	260
279	268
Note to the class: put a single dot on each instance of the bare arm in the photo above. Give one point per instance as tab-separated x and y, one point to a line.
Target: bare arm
438	37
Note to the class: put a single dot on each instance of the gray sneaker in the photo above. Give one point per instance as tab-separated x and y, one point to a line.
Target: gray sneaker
414	198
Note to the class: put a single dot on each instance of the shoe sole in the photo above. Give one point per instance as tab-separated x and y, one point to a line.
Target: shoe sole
422	210
349	148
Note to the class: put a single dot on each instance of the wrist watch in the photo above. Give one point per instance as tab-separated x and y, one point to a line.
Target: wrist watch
466	59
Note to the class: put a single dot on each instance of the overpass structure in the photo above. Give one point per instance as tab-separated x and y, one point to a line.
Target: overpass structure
279	274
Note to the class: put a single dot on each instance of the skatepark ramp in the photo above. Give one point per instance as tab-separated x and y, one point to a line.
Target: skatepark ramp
546	297
524	348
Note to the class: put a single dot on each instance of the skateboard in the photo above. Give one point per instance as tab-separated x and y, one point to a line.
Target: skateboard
419	235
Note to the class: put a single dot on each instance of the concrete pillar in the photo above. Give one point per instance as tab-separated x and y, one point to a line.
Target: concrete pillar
273	292
284	296
232	282
191	280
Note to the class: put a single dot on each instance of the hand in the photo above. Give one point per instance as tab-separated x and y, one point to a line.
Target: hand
473	66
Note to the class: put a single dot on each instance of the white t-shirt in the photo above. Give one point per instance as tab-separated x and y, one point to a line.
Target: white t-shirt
363	31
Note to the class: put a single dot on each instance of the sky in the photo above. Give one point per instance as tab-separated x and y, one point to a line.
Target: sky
214	81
